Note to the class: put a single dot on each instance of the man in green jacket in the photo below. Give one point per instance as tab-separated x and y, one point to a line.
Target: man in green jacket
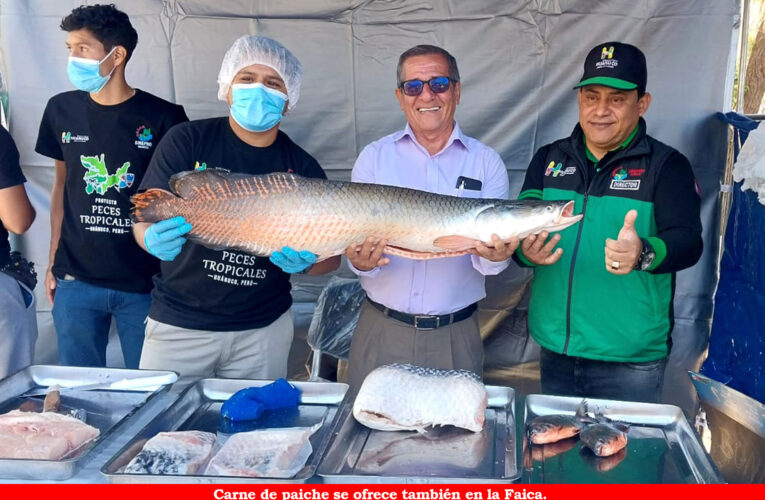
601	302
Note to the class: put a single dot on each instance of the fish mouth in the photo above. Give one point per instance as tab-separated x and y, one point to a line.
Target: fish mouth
565	218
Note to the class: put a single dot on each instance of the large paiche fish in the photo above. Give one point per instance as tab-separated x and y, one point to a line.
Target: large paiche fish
406	397
260	214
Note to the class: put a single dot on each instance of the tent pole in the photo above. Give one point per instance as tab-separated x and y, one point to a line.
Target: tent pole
726	187
726	194
743	50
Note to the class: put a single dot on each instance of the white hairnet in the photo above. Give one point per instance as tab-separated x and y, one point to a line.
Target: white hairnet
254	49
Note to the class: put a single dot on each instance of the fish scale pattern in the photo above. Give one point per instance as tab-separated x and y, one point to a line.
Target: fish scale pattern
261	214
408	397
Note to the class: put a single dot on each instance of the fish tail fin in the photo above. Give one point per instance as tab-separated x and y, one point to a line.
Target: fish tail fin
581	411
154	205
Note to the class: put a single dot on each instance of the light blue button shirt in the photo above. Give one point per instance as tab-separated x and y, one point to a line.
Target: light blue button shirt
437	286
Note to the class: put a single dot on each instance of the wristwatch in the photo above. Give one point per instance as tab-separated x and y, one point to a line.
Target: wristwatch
646	256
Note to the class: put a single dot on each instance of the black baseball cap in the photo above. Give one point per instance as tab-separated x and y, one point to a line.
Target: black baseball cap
617	65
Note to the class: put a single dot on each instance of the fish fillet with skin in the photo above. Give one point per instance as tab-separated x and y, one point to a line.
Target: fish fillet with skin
262	214
176	453
46	436
277	453
407	397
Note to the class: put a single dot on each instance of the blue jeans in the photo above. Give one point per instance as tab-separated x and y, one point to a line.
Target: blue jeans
18	326
571	376
82	314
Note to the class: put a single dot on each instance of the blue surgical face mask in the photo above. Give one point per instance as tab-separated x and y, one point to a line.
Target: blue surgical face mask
256	107
83	73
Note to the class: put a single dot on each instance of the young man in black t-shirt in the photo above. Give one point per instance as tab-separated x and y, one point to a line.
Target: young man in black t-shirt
101	138
18	319
226	313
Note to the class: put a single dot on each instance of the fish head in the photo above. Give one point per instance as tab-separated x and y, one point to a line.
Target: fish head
603	439
561	215
524	217
551	428
540	427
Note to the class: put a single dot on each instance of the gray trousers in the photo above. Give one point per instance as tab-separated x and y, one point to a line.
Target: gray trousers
379	340
259	353
18	327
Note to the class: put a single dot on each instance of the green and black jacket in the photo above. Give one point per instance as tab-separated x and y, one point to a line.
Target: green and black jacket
577	307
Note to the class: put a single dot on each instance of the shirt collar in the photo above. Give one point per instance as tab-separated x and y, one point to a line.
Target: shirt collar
456	136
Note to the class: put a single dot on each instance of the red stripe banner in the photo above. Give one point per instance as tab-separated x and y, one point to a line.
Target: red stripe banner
377	492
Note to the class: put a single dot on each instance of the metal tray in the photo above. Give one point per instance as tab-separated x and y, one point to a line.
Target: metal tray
358	454
198	408
106	409
731	427
662	448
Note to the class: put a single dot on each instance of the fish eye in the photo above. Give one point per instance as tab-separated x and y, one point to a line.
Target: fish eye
549	208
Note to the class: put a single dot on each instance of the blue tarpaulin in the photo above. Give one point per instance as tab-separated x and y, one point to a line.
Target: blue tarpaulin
737	343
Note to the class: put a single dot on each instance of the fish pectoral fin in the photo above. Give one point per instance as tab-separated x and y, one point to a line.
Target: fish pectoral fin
455	242
411	254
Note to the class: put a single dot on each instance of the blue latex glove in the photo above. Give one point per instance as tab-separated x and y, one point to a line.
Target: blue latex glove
291	261
249	403
164	239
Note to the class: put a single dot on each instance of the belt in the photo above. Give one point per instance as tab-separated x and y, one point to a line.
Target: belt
426	321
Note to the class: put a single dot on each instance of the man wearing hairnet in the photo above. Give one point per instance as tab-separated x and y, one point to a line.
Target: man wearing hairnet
226	313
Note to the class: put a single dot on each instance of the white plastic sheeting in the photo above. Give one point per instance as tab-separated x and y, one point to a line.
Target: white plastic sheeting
750	167
518	59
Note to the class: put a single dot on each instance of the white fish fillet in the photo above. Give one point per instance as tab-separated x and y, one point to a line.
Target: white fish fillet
439	451
406	397
277	453
176	453
46	436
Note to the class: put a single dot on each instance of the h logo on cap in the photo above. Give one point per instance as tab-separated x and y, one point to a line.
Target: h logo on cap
608	53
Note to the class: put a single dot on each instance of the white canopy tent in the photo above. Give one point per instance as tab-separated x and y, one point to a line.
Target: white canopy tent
518	59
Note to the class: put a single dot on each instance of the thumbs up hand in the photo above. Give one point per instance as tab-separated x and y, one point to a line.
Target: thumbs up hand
623	253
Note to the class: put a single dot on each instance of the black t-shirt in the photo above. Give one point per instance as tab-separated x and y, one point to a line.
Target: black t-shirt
10	175
106	150
221	290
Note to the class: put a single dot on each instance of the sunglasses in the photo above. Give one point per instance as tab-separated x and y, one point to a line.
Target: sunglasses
438	85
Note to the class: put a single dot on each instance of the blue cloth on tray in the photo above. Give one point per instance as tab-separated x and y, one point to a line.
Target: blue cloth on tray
249	403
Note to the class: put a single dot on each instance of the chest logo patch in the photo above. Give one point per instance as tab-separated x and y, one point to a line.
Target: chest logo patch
620	179
558	170
144	136
98	179
68	138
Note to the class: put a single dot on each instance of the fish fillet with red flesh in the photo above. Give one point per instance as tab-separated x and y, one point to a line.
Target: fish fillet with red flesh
46	436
